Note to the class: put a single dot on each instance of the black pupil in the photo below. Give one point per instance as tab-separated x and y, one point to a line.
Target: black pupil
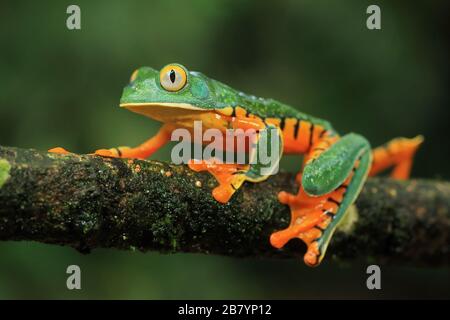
172	76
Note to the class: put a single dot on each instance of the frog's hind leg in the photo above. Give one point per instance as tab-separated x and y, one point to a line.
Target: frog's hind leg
348	193
398	153
330	183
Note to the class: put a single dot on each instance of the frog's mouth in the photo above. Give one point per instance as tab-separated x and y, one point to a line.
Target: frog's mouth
162	111
183	114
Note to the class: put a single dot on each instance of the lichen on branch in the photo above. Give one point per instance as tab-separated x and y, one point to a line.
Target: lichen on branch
5	167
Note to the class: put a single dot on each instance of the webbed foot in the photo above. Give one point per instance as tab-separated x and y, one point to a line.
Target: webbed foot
310	217
229	176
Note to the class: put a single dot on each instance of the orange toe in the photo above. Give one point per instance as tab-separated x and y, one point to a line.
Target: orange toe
58	150
311	257
278	239
222	193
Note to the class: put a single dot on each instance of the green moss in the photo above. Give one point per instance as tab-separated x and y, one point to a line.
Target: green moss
5	167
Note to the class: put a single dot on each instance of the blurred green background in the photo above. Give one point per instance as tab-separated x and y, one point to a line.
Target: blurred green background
61	88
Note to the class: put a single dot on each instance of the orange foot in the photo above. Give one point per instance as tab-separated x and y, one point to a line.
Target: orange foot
114	152
229	176
58	150
310	216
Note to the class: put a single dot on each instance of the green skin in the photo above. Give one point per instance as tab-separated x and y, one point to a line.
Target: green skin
208	94
319	177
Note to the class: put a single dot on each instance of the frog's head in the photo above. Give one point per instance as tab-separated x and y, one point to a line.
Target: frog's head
171	94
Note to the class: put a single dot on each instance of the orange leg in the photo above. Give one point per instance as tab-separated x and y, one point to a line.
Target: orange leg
142	151
319	147
229	176
310	216
399	154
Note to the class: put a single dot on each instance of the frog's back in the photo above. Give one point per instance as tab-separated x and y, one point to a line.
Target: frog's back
265	108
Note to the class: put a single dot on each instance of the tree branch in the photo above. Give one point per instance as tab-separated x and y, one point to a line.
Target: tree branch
89	202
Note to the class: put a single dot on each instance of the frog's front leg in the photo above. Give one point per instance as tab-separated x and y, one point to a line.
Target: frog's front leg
231	176
142	151
331	181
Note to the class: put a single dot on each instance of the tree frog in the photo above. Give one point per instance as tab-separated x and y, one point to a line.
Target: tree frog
334	169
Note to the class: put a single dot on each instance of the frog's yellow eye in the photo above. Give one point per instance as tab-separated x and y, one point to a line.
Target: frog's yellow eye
134	75
173	77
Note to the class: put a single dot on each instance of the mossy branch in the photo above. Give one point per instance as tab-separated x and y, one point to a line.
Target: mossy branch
89	202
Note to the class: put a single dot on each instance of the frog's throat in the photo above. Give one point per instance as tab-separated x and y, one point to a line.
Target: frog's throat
182	114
